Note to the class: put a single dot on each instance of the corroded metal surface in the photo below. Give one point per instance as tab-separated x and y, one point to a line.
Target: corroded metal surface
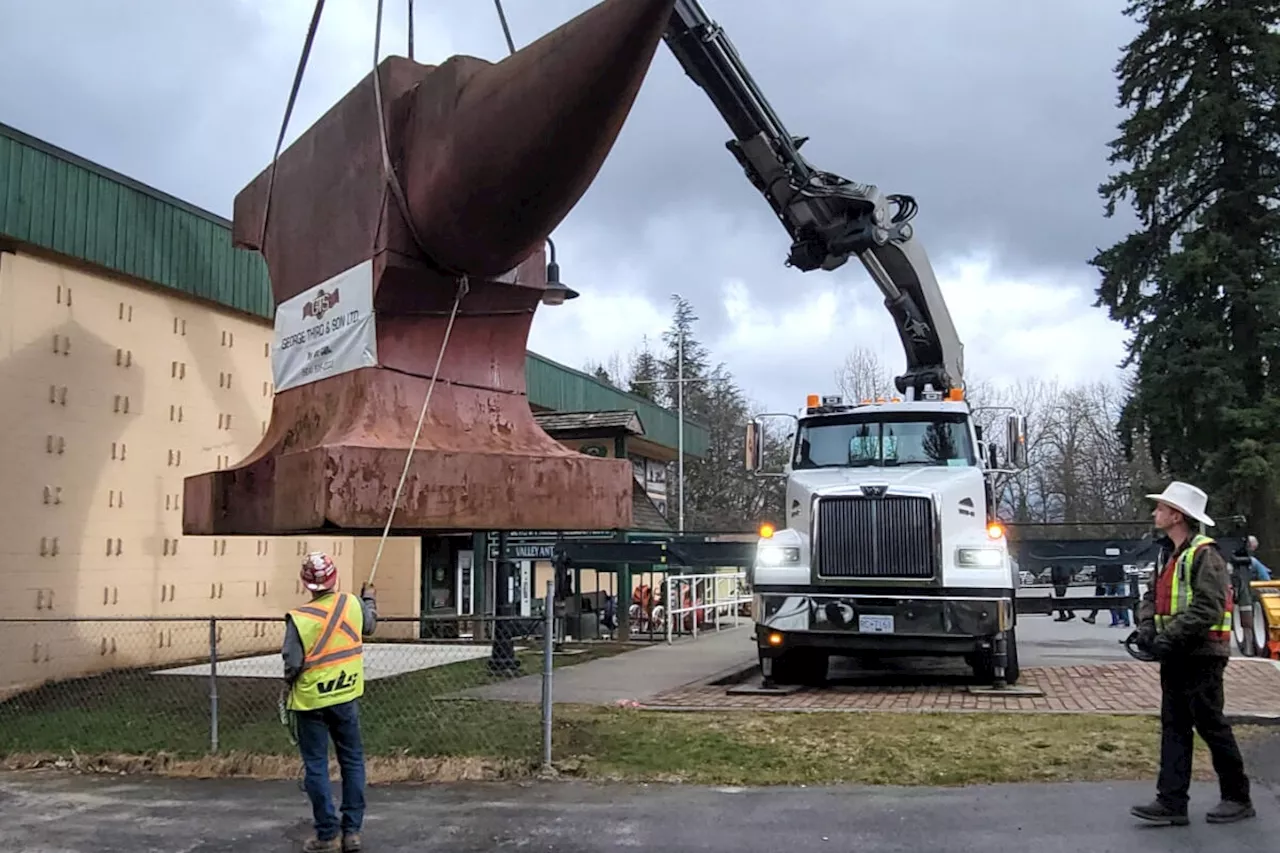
491	158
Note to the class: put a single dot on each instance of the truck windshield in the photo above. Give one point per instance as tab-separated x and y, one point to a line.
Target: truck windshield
862	441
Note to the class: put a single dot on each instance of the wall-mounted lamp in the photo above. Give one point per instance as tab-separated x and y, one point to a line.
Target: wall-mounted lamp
557	292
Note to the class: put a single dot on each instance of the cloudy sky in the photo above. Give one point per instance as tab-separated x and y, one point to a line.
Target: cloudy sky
994	114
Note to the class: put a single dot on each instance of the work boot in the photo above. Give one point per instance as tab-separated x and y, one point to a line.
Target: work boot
1230	812
316	845
1158	812
351	843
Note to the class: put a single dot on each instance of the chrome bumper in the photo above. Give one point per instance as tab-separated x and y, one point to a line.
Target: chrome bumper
880	616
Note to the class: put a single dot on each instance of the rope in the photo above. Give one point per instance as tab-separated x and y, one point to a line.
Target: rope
506	30
288	719
388	170
410	30
288	111
422	415
463	286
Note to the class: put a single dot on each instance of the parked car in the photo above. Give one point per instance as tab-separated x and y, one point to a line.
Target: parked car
1144	573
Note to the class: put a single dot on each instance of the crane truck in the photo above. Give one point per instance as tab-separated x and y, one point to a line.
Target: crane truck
890	543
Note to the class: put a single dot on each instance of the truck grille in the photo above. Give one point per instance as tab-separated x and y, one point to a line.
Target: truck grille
889	537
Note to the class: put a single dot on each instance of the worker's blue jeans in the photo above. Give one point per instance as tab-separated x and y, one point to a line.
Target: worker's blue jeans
315	728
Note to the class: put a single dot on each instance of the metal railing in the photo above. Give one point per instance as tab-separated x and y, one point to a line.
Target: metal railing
434	686
695	600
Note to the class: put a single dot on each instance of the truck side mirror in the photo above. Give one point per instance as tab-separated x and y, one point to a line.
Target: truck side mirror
753	449
1016	442
993	459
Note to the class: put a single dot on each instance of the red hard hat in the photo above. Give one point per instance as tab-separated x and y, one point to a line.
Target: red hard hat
318	572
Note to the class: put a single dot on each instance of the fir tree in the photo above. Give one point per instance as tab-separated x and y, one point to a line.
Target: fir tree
1196	284
645	373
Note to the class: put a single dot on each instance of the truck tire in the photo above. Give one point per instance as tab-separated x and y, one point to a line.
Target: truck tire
1261	630
1242	628
984	662
801	666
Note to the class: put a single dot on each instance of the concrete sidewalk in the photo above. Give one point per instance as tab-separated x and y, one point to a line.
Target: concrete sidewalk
69	814
637	675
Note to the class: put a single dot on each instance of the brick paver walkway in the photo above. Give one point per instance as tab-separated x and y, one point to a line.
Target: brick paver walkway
1252	687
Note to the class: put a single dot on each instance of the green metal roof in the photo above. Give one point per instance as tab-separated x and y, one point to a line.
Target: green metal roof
563	389
55	200
58	201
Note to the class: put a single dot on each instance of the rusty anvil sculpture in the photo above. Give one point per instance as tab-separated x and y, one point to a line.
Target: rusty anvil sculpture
491	157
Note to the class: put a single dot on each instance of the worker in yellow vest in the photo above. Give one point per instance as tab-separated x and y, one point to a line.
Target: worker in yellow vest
324	668
1184	621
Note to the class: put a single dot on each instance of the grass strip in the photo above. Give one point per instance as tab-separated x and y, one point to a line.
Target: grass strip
737	748
431	725
430	712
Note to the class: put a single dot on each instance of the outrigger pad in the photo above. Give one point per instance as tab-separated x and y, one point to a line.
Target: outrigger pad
491	157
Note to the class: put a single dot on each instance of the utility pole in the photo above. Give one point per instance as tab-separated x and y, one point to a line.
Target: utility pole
680	419
680	382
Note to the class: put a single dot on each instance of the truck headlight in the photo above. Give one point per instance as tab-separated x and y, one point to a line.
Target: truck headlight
776	555
980	558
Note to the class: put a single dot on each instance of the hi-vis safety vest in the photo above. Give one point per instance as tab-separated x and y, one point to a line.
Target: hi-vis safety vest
1173	591
333	662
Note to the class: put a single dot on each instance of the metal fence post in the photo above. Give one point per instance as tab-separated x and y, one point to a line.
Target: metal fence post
213	684
548	644
671	605
693	591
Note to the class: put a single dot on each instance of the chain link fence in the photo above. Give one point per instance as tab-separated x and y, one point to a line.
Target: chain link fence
474	687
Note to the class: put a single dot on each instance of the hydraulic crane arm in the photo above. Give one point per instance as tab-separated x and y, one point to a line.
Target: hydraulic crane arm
828	217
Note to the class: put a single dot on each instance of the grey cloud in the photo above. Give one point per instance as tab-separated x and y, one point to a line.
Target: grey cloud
995	119
993	113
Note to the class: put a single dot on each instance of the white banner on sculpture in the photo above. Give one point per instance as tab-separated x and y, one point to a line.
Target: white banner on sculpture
326	330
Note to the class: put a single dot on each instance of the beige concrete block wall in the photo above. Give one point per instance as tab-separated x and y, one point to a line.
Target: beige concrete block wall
398	582
113	392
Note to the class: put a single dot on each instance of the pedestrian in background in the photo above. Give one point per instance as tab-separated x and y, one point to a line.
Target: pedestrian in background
1111	582
1260	570
324	667
1184	621
1061	576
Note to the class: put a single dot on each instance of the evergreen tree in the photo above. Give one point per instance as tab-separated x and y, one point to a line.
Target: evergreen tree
720	494
685	357
645	373
1196	284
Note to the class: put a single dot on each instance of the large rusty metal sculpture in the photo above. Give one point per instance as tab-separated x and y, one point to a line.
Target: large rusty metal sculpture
491	157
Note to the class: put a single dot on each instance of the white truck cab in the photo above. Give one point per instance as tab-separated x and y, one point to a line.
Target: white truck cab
889	545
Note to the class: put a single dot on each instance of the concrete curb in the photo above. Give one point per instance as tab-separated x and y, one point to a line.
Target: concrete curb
1244	719
1253	719
735	674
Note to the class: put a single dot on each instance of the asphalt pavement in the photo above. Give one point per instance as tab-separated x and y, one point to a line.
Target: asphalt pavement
69	814
58	813
1044	642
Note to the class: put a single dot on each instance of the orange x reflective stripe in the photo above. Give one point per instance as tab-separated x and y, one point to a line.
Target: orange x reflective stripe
338	641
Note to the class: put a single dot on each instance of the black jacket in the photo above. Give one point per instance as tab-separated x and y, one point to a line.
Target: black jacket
1210	581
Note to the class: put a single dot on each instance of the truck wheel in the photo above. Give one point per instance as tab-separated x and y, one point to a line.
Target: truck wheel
1242	628
1012	669
984	662
1261	630
801	666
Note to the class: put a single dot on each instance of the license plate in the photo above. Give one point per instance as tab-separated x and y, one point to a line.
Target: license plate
875	624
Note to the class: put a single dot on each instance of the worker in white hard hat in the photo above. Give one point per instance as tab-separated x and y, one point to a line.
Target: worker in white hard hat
324	667
1184	621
